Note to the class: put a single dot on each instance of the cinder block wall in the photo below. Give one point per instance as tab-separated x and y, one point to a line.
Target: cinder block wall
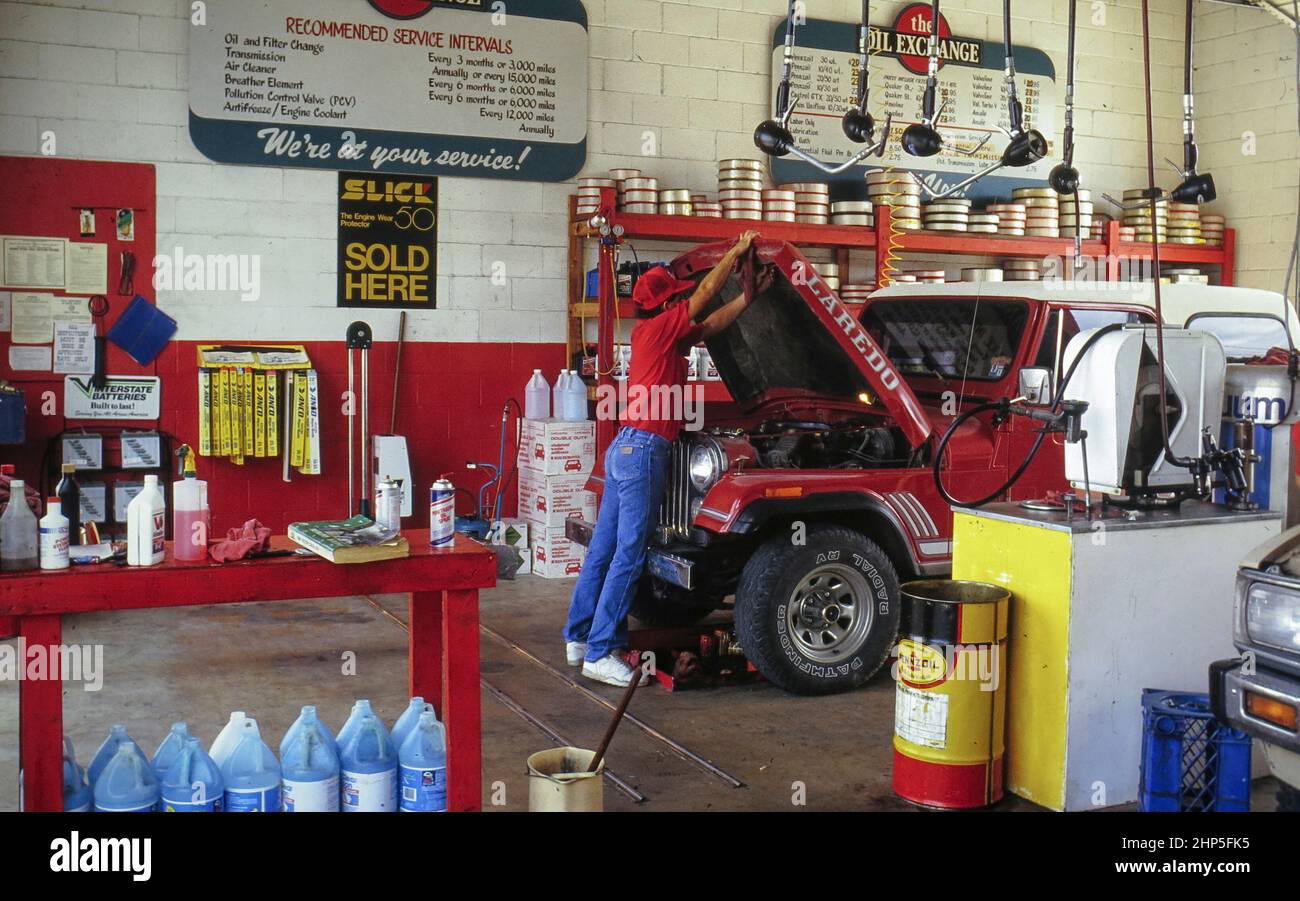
1245	85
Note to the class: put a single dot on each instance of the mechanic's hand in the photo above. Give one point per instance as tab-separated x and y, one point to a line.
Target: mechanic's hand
746	240
764	280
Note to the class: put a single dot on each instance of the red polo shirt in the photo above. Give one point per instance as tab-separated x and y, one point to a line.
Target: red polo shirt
656	384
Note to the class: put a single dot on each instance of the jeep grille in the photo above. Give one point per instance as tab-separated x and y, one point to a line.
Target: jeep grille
675	511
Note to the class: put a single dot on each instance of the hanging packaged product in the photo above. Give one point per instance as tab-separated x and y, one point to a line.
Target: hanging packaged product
239	403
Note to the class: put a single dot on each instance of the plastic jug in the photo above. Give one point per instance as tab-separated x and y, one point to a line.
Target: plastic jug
368	764
18	531
170	748
117	734
127	784
307	715
192	519
360	709
228	737
76	790
424	767
537	397
577	409
560	395
409	719
146	525
54	536
251	774
309	766
193	783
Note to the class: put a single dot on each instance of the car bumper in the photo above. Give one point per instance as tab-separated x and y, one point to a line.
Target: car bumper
664	565
1228	689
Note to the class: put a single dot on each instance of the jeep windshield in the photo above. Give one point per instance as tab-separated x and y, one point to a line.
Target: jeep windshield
949	339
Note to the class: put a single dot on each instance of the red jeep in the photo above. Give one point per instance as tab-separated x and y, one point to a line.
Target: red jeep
814	497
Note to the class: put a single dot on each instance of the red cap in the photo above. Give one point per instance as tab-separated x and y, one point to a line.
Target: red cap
657	286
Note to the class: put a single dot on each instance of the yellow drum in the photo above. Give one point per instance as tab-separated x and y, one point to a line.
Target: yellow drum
950	702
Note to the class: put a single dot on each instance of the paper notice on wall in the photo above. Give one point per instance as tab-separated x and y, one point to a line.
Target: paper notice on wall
32	319
74	347
32	262
86	268
70	309
6	299
31	359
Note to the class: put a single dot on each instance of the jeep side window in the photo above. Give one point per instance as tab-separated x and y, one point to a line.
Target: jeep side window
1079	319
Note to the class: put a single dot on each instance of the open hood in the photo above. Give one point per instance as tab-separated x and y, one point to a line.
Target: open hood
798	338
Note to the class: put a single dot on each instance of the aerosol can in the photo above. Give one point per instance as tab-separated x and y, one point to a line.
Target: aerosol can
442	513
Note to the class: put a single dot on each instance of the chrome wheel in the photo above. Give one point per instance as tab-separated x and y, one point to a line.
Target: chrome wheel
829	613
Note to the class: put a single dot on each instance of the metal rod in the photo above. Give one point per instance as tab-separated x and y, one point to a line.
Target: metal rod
515	706
397	372
352	437
680	750
364	501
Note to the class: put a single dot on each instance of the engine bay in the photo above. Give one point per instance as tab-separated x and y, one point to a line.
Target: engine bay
802	444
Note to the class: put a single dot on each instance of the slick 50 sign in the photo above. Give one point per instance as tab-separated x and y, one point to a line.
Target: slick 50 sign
388	241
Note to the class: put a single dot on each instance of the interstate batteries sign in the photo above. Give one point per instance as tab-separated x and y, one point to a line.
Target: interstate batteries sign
432	87
825	79
388	241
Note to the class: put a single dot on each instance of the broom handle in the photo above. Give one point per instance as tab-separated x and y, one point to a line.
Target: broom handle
397	372
618	718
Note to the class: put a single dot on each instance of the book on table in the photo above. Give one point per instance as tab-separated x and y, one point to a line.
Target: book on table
355	540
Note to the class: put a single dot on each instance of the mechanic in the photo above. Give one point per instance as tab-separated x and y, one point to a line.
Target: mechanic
636	463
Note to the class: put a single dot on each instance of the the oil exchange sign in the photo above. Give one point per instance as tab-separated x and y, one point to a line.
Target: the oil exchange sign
388	241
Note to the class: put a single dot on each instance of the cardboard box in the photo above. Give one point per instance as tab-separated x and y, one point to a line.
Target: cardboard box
550	500
513	533
554	447
553	555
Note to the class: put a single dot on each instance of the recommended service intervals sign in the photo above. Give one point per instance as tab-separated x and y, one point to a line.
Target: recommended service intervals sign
825	78
475	88
388	241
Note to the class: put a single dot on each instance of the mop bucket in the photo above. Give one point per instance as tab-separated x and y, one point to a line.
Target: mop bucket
558	782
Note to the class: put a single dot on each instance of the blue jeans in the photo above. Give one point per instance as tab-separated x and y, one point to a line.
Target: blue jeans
636	466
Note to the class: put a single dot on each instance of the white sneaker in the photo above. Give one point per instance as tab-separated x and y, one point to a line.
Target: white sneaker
575	652
611	670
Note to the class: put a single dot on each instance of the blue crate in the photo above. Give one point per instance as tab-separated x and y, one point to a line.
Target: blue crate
1190	760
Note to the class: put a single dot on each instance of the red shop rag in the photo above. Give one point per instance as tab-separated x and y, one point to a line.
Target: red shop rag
251	538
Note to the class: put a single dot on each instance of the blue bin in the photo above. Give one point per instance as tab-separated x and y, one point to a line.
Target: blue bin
1190	760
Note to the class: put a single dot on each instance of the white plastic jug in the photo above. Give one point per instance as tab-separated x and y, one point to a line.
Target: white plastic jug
560	396
537	397
18	531
146	525
227	738
576	411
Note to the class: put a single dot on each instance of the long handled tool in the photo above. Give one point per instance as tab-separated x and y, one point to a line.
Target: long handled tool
618	718
359	339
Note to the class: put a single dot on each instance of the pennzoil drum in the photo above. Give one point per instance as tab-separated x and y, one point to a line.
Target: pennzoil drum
950	699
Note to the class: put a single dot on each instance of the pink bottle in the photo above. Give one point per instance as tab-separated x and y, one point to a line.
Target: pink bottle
191	519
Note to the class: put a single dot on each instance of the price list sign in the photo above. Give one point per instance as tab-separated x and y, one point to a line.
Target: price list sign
971	93
432	87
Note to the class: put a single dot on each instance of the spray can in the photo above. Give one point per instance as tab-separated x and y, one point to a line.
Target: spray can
442	513
388	504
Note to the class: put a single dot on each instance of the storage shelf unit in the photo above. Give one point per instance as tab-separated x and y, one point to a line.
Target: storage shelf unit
605	308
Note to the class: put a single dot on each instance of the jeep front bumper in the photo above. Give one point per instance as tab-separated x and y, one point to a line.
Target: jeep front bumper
663	565
1230	688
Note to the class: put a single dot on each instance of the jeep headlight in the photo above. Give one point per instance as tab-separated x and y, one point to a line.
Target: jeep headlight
707	464
1273	616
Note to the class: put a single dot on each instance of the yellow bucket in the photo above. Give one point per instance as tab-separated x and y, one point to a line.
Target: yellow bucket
558	782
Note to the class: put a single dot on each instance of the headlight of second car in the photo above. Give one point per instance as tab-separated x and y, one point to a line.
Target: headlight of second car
1273	616
707	464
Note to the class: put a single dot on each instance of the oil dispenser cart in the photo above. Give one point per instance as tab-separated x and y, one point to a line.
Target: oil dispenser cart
443	657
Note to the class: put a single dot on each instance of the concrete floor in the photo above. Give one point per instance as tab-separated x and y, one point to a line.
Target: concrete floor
197	664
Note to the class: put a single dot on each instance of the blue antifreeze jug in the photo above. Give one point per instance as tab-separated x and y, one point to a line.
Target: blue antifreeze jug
359	709
116	735
76	791
309	767
424	767
368	763
127	784
170	749
409	719
308	711
193	783
251	774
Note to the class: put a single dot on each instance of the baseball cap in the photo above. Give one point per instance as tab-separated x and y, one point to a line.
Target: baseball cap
657	286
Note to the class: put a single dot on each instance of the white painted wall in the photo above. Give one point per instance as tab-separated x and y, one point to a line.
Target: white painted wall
109	77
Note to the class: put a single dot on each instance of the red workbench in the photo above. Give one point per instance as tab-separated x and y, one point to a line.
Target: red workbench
443	584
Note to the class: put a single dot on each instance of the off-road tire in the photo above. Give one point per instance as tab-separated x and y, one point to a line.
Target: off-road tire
766	590
658	612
